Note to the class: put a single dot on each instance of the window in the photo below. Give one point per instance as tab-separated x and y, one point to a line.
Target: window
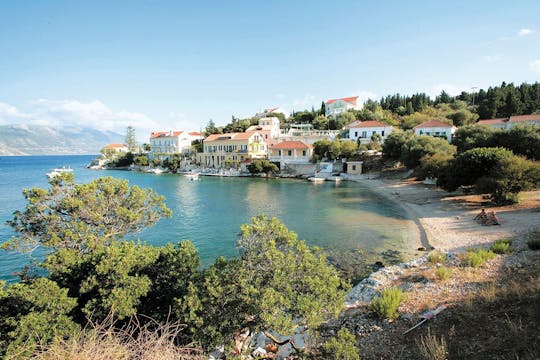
303	152
279	152
354	167
382	133
356	134
289	152
364	134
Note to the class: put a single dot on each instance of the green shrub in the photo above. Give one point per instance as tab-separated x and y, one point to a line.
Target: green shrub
387	304
343	347
534	244
475	258
444	273
501	246
533	239
436	257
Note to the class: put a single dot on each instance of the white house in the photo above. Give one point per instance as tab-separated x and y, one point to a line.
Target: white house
269	112
338	106
290	152
494	123
268	128
510	122
172	142
436	128
115	148
364	130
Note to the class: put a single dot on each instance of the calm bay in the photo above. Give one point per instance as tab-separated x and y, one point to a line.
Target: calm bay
342	218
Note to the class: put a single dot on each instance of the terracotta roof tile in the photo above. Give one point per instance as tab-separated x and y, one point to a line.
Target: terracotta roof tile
369	123
115	146
492	121
157	134
351	99
432	124
231	136
291	145
524	118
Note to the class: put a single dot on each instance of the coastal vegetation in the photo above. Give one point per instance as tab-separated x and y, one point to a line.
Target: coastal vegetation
94	276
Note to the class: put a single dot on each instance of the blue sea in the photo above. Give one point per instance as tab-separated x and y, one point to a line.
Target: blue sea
339	217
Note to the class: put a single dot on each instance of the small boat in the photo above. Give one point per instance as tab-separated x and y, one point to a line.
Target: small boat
155	171
316	179
59	171
193	176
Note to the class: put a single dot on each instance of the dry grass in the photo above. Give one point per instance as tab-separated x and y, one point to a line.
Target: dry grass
152	341
431	347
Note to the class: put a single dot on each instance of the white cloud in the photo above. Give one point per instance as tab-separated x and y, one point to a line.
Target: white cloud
304	103
525	32
491	58
10	114
94	114
364	95
535	65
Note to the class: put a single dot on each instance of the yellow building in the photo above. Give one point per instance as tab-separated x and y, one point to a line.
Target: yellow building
229	150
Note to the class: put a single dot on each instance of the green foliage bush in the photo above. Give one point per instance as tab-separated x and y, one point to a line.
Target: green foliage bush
418	147
432	166
509	177
436	257
443	273
386	306
501	246
472	164
262	166
476	258
342	347
533	239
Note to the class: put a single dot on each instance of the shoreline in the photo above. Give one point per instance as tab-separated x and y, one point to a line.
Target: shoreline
445	220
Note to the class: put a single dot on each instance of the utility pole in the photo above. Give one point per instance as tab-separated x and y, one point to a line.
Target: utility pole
473	90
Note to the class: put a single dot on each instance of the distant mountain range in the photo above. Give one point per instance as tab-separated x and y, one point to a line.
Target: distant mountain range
23	139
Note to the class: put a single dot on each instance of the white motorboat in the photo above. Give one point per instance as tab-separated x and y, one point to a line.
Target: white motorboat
193	176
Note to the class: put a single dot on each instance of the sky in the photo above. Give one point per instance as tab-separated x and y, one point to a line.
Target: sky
162	65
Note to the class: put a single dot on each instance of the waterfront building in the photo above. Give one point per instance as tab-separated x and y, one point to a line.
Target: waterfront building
231	149
364	130
268	128
510	122
337	106
290	152
114	148
436	128
165	143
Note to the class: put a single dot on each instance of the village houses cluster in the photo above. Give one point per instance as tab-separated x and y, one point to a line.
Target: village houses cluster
267	140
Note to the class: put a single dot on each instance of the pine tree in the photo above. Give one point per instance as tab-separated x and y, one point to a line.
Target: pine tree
131	141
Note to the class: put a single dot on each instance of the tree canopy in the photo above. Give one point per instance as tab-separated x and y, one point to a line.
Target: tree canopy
83	216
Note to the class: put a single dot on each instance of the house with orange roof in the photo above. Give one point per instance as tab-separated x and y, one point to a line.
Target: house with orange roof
231	149
362	131
337	106
436	128
288	152
114	148
268	128
271	111
510	122
499	123
172	142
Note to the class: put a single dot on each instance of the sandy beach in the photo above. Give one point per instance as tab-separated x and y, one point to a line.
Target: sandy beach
445	220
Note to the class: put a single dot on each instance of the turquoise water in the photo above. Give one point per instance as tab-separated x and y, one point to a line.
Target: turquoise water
339	217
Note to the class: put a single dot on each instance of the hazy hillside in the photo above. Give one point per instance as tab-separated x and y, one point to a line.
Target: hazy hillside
46	140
